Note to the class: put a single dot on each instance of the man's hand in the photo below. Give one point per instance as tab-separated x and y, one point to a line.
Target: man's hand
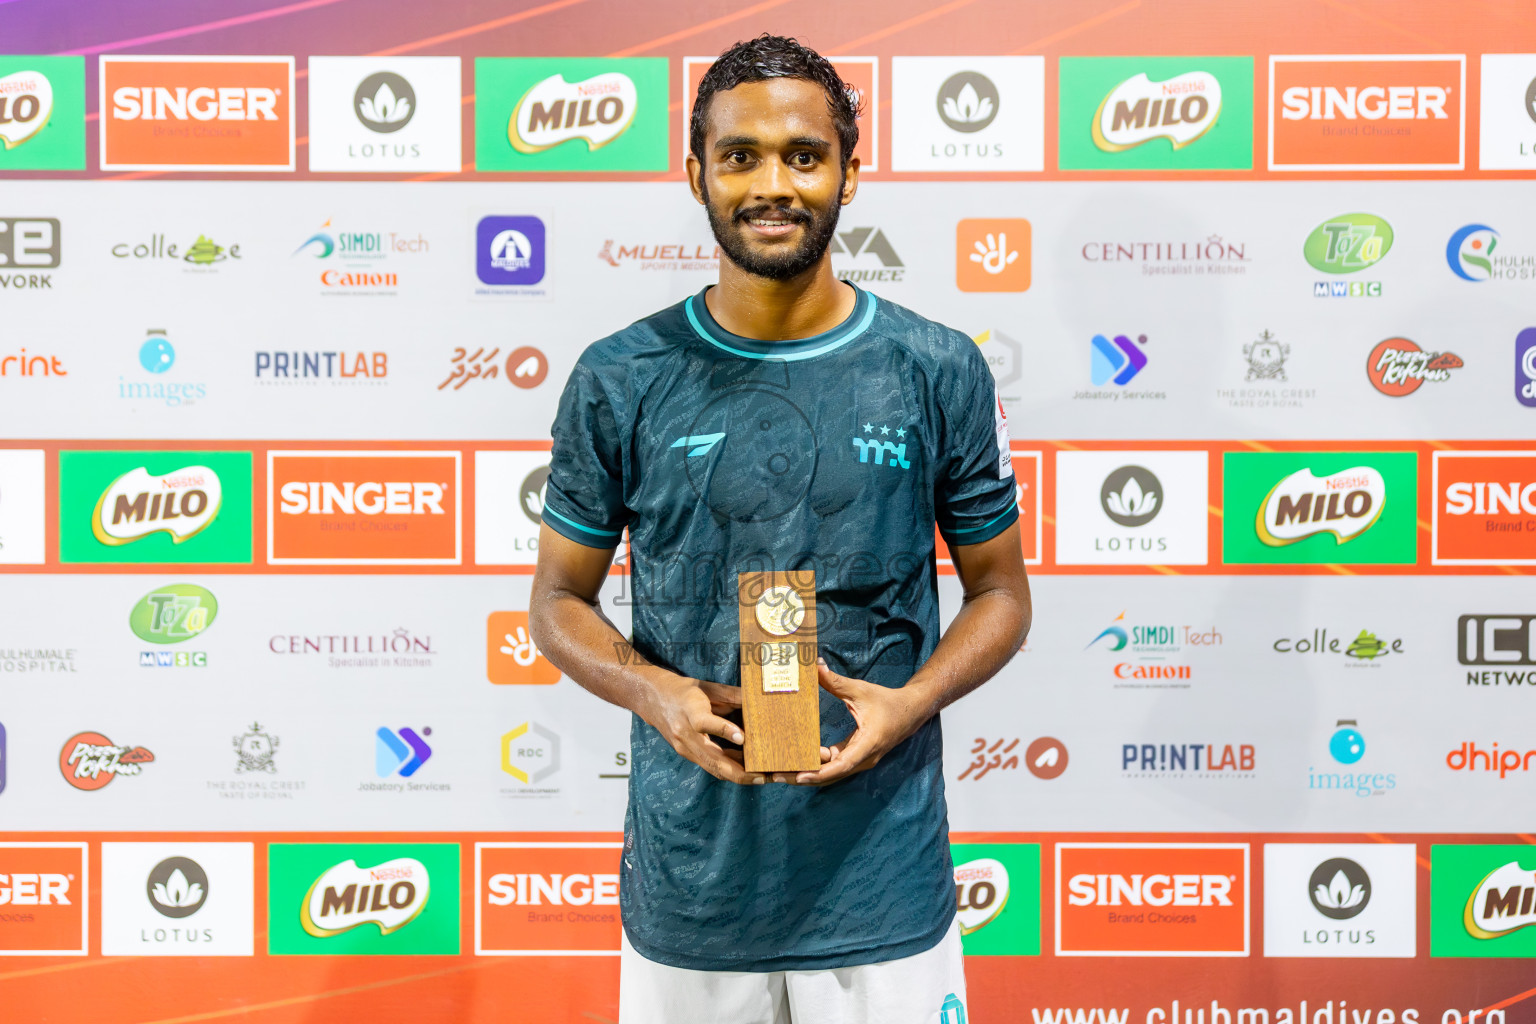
882	718
687	712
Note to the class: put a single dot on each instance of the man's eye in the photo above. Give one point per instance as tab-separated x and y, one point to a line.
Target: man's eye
737	156
803	159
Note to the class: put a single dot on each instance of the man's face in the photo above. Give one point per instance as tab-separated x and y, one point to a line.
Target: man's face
772	179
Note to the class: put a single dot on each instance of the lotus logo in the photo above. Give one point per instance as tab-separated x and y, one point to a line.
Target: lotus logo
1131	496
177	887
531	494
384	102
1470	250
968	101
1302	505
596	110
1138	110
1339	889
1491	912
981	893
182	503
390	895
26	103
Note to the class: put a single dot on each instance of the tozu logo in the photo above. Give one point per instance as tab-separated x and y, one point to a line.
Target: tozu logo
1151	899
181	503
1345	504
1138	110
596	110
363	508
197	113
1367	113
390	895
1484	508
546	899
43	898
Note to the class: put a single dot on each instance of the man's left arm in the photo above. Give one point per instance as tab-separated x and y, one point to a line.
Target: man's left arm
988	630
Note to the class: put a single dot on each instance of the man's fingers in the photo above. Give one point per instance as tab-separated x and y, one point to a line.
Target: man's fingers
714	725
836	685
846	760
721	695
714	760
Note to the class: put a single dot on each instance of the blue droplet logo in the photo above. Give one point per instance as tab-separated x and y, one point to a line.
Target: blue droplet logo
1347	746
156	354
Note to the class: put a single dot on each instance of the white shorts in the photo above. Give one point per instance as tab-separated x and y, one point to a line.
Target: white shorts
927	988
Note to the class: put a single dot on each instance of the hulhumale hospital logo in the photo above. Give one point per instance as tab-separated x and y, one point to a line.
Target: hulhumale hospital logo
1469	253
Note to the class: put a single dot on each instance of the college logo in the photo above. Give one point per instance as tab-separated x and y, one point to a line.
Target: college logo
28	244
1347	244
197	113
551	114
1304	507
155	506
1367	113
363	508
44	893
1132	508
992	255
968	113
1481	901
22	515
200	255
375	115
1507	125
177	899
545	899
88	760
512	658
1140	113
1398	367
997	898
173	614
363	898
42	113
1151	899
1340	899
1366	649
1484	508
509	506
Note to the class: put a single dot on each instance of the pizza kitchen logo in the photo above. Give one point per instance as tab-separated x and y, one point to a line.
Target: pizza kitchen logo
1398	367
89	761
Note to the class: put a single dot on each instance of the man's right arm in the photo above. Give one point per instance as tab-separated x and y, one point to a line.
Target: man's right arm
570	630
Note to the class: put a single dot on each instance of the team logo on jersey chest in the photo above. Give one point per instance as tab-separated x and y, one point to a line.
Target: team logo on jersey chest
883	445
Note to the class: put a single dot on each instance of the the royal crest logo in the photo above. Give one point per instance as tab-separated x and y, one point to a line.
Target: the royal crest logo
1345	504
390	895
596	110
256	750
182	503
88	760
1180	109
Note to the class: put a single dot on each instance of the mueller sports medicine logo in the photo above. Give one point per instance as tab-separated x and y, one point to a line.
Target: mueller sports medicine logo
1138	110
1302	505
363	508
596	111
1484	508
1367	113
181	503
44	893
1151	899
389	895
88	760
197	113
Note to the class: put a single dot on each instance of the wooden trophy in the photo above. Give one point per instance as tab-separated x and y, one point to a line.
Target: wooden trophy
780	695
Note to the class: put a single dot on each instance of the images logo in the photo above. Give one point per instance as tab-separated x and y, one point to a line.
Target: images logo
44	893
512	658
173	614
1116	362
182	503
992	255
1139	113
197	113
1482	901
555	114
1397	367
42	113
363	508
1151	899
89	760
400	753
997	898
321	897
1366	113
1302	507
1346	746
1483	508
544	899
1469	253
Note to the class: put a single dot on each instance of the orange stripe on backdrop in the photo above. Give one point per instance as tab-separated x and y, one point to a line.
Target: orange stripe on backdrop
192	30
1386	25
1036	45
484	26
725	19
901	26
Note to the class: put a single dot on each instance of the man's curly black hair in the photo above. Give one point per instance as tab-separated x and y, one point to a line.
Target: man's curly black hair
767	56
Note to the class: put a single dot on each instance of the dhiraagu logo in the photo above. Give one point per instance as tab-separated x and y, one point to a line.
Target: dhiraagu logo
1151	113
1348	243
173	613
997	898
363	898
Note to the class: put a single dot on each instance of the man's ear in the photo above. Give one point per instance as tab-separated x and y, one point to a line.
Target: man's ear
695	173
850	181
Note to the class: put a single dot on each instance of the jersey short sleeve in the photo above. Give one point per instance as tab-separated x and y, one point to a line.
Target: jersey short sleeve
974	489
584	497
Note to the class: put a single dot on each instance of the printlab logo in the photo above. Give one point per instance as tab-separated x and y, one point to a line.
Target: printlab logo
1187	760
27	245
510	255
873	254
256	749
997	901
1347	244
400	752
992	255
1397	367
88	760
525	367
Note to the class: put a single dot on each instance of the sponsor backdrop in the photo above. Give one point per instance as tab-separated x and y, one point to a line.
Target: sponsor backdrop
289	292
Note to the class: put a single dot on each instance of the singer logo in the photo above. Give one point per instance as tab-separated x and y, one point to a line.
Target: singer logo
1485	508
43	896
1151	899
363	508
536	899
197	113
1372	113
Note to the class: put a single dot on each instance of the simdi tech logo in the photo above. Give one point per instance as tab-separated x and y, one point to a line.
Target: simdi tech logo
1151	899
1378	112
1155	113
1484	509
571	114
997	897
547	899
363	508
44	893
1482	901
196	113
363	898
42	113
1316	508
148	507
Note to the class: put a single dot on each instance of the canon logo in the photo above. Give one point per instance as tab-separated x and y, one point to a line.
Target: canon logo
157	103
321	497
1373	103
1150	890
575	890
34	890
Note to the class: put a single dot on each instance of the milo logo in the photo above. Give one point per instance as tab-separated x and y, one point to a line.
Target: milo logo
1138	110
981	892
596	110
1344	504
389	895
182	503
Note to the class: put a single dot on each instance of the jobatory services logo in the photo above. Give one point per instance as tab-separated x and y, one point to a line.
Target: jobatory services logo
1347	244
1501	649
89	761
1507	125
28	245
363	898
547	899
45	891
149	507
1397	367
571	114
42	113
1152	656
525	366
23	516
1151	899
992	255
196	113
400	752
384	115
509	506
1484	510
997	897
512	658
1155	113
968	114
1132	508
1525	367
1312	508
1346	746
1164	761
363	508
1481	901
1113	362
1377	112
1340	899
177	899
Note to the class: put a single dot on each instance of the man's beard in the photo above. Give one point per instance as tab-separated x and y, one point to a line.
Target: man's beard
776	265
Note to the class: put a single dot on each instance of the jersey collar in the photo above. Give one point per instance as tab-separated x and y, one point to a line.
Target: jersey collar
857	323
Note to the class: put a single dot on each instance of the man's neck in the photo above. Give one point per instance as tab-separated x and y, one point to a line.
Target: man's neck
763	309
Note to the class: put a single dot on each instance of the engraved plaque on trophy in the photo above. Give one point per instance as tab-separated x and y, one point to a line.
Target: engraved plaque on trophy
781	699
